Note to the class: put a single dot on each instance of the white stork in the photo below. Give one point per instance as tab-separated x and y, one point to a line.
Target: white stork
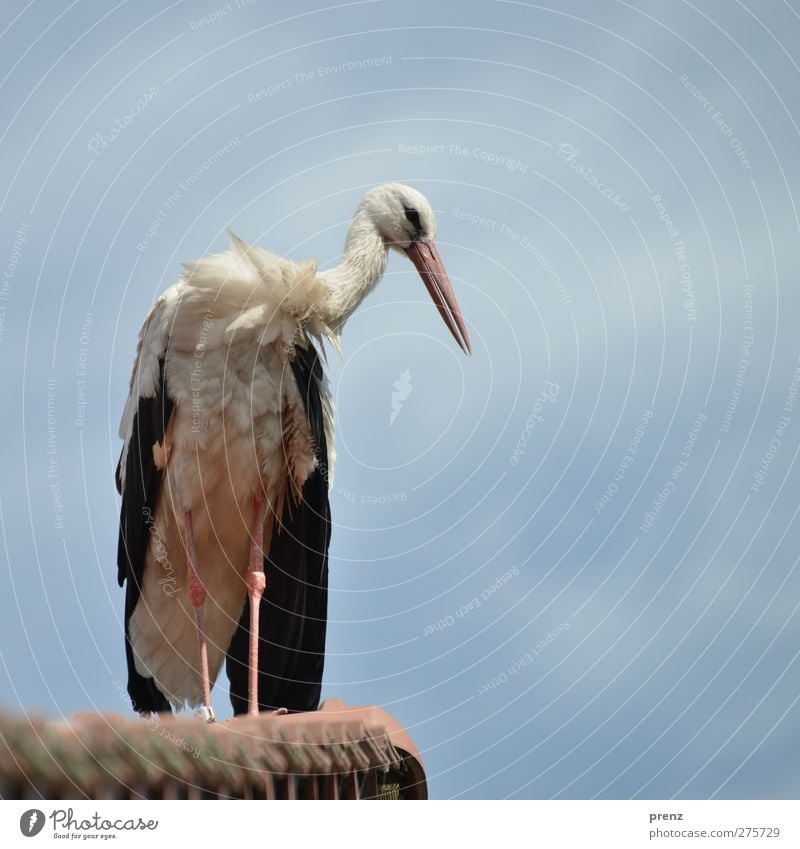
226	433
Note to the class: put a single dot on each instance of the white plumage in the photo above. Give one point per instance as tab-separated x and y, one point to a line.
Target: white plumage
227	333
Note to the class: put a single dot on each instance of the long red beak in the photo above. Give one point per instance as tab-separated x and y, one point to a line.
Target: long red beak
429	264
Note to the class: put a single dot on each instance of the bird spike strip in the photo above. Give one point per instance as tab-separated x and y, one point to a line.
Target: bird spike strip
337	752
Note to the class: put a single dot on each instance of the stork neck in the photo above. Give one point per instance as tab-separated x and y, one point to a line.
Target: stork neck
363	264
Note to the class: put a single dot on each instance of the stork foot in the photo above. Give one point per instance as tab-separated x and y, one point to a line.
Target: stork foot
206	713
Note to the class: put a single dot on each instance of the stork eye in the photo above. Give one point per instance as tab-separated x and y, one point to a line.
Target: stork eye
413	216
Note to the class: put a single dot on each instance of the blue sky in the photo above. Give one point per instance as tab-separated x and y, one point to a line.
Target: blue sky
569	565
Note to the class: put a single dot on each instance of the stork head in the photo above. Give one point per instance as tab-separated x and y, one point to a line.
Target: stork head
405	221
401	215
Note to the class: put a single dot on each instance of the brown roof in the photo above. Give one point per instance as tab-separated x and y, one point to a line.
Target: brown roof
335	752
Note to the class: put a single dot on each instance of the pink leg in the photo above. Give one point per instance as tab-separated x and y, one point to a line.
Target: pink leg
197	595
256	584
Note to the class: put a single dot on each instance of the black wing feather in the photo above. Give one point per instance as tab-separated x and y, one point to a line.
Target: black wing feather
142	484
294	609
